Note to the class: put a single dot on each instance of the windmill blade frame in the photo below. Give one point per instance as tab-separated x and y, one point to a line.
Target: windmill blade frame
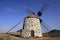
14	26
44	7
28	10
44	26
42	10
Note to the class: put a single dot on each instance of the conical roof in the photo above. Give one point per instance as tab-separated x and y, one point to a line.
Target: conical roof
32	15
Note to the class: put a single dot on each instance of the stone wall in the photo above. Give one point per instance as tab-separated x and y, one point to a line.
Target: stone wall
31	24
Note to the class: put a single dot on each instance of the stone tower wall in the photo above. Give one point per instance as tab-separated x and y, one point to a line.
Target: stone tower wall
31	24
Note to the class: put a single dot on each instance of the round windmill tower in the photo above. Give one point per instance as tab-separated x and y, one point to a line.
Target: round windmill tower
31	26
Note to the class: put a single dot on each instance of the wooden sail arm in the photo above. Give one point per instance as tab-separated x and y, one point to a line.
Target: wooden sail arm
14	26
44	26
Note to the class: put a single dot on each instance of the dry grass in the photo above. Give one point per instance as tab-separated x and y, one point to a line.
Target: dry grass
10	37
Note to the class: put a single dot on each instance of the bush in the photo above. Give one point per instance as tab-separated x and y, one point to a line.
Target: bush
1	38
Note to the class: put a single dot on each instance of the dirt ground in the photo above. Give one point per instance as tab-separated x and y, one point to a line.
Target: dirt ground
12	37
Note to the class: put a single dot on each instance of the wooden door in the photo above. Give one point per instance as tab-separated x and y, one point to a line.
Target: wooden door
32	33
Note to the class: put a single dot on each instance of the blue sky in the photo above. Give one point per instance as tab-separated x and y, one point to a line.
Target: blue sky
13	11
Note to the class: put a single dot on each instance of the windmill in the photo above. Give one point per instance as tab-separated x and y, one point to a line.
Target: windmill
32	24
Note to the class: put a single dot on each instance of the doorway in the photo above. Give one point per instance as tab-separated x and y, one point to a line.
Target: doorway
32	33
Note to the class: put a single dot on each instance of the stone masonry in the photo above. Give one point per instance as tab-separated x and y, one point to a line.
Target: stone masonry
29	25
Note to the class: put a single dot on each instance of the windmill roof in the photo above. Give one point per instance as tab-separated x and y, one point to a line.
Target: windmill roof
32	15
